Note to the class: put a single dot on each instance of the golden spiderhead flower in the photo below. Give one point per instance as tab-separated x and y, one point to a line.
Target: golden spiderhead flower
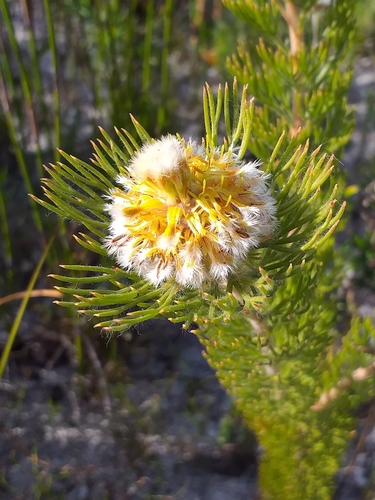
187	212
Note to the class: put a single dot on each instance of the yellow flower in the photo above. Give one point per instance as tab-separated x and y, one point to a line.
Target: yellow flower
187	212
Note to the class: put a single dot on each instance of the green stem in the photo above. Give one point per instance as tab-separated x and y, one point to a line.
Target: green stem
56	98
164	64
24	84
21	311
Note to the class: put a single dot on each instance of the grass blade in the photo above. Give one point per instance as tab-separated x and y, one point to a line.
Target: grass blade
21	311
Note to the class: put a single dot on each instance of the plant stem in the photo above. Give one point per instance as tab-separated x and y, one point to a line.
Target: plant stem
25	84
56	97
163	109
291	16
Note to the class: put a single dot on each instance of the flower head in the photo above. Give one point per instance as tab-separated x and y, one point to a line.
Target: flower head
188	212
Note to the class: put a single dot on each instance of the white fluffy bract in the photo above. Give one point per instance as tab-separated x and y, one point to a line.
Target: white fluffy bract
158	158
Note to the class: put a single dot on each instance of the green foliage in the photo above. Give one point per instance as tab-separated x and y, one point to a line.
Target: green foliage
365	16
274	388
295	69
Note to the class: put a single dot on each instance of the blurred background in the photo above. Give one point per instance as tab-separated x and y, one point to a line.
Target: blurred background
141	415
